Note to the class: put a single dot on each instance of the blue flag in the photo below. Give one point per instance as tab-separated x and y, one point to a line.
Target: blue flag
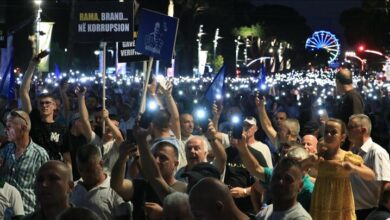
57	71
216	88
7	81
261	80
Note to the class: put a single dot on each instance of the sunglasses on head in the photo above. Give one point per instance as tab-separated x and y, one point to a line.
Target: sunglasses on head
15	114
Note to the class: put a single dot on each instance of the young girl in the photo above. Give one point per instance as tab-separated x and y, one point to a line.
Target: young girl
332	198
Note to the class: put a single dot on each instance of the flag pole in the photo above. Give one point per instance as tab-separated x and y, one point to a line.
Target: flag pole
104	44
144	92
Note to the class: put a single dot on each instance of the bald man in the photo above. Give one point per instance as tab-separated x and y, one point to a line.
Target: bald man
214	204
309	142
351	102
53	185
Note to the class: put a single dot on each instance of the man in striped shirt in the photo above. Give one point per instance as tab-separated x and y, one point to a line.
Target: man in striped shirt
21	158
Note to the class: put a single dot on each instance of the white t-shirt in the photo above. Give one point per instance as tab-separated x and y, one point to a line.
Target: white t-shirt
10	201
102	199
264	150
367	193
110	152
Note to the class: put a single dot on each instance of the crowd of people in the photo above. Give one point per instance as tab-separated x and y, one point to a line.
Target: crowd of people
293	149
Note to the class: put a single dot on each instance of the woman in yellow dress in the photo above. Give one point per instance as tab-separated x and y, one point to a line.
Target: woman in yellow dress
332	198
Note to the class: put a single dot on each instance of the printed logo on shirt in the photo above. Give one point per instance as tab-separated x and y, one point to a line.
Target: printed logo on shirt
54	136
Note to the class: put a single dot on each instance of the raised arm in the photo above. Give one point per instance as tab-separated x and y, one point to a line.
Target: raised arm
363	171
122	186
87	129
249	161
26	85
172	108
65	99
114	129
265	122
217	110
218	149
149	165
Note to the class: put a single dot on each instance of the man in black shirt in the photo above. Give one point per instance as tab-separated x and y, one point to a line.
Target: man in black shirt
237	177
44	130
351	102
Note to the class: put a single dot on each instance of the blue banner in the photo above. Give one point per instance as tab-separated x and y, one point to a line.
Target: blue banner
156	35
7	81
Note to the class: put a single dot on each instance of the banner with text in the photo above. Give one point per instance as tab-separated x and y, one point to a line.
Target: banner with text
103	21
157	35
3	36
127	53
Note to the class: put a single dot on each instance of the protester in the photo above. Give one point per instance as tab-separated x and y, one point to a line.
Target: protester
334	168
21	158
93	190
45	131
11	204
367	193
54	184
286	183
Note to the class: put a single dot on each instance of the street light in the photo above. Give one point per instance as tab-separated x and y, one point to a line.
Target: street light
199	40
215	41
238	43
353	54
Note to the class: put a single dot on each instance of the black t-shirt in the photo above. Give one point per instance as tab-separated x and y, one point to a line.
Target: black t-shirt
143	192
238	176
74	142
50	136
351	103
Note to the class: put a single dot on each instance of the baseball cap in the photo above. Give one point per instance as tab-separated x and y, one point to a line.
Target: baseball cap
251	120
202	170
169	140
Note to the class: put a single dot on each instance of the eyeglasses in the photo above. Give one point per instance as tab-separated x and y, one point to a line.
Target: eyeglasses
17	115
45	103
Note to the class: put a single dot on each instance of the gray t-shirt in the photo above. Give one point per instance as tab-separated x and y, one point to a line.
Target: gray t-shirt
297	212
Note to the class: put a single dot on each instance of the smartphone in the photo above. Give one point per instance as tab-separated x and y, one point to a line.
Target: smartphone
130	136
43	54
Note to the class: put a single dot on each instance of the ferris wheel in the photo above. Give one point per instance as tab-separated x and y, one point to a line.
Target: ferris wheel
324	40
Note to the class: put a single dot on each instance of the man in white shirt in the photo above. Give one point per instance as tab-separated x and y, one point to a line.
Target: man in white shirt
93	190
250	126
367	193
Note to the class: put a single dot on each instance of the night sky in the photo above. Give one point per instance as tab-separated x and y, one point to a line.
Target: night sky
320	14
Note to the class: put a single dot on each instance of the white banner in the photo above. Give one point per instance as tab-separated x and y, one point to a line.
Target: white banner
45	32
202	61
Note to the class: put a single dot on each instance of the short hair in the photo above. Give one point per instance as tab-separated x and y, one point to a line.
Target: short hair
340	122
175	199
297	152
293	125
88	153
165	144
21	117
161	119
46	95
362	120
202	138
344	76
287	163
